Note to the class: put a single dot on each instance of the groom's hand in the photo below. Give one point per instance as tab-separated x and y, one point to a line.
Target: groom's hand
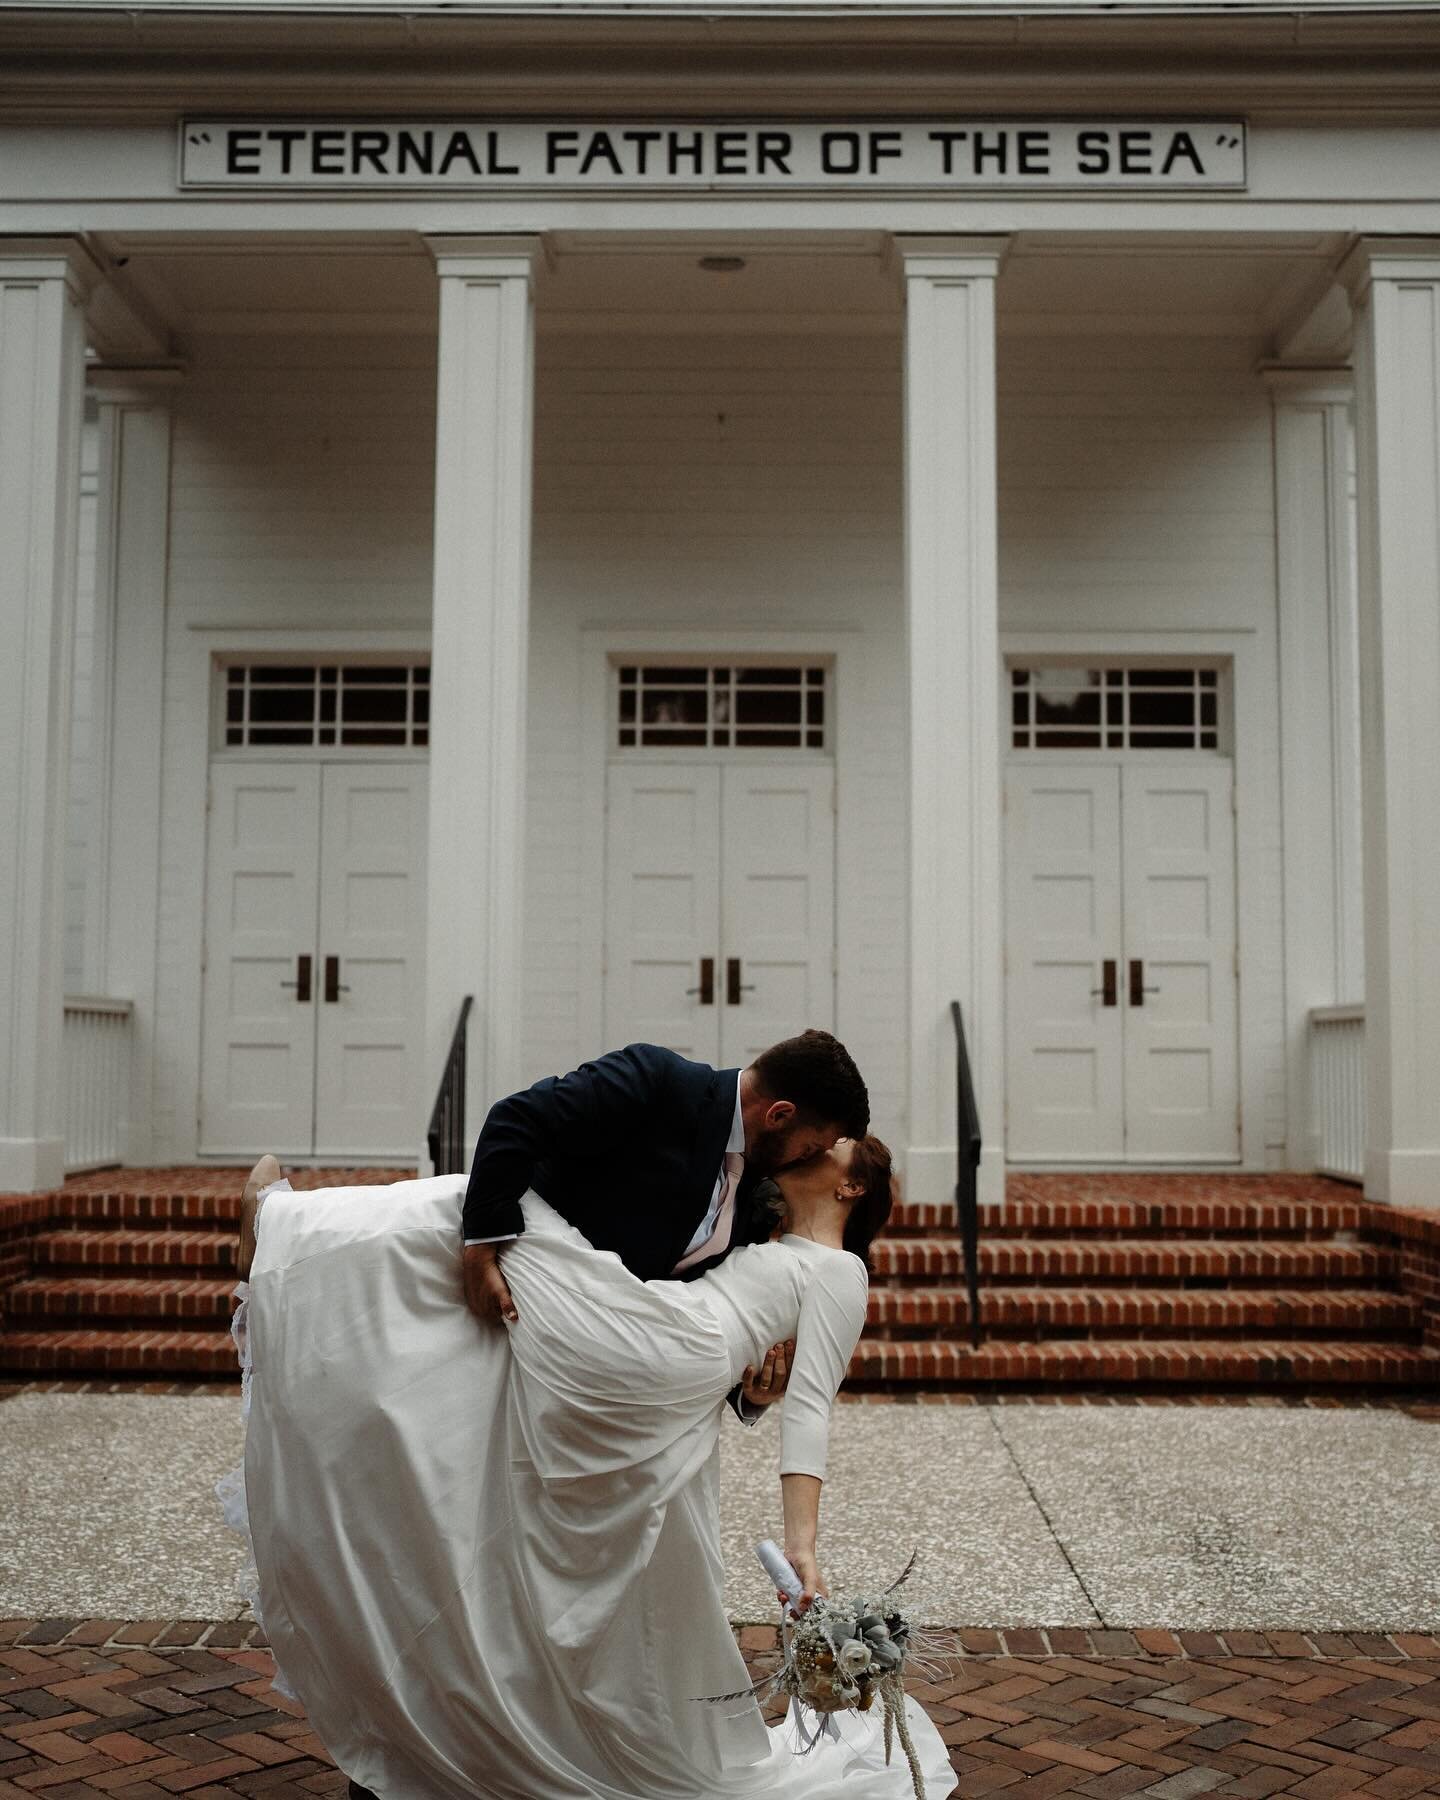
486	1291
769	1384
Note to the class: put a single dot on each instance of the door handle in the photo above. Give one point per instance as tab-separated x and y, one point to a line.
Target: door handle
301	983
706	989
334	987
1138	989
734	987
1110	976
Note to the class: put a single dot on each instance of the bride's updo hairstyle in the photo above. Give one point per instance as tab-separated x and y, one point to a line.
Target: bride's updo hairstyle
869	1211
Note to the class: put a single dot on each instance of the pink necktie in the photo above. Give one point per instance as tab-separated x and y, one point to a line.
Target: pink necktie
719	1238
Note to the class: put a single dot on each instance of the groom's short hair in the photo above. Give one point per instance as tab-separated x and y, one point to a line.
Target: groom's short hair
817	1074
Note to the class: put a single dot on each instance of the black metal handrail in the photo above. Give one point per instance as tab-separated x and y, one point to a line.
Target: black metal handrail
446	1132
968	1156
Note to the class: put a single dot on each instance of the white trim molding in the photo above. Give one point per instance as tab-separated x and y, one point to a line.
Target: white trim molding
131	585
956	941
1395	286
1319	692
43	288
484	438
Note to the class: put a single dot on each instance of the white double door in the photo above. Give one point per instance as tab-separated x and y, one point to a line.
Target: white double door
314	959
1121	1001
719	906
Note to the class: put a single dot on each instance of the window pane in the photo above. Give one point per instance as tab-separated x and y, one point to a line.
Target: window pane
275	706
760	708
674	706
281	734
1068	740
1074	709
1177	710
371	706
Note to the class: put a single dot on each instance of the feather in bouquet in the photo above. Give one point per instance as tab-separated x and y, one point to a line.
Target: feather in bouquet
840	1654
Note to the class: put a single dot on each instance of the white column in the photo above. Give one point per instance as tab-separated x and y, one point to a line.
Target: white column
42	348
956	929
483	447
131	567
1395	287
1319	713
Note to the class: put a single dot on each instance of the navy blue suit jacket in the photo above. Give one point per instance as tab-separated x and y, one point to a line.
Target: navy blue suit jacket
626	1148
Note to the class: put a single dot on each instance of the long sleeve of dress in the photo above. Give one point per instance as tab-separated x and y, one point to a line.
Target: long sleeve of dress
832	1316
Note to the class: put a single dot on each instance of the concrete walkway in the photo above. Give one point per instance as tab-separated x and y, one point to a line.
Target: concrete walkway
1191	1517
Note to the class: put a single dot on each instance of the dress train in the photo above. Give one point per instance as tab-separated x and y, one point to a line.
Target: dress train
488	1560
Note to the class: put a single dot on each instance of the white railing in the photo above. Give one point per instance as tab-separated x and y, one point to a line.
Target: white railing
96	1054
1337	1090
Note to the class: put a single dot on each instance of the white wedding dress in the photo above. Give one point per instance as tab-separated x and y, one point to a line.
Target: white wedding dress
488	1558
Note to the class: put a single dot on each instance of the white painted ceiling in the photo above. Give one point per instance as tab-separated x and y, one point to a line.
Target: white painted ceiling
1226	285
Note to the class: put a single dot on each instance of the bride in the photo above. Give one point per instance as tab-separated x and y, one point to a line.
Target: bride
488	1561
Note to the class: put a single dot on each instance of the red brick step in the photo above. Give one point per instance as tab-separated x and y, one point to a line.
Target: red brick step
1214	1215
1194	1363
121	1297
902	1311
131	1352
1127	1261
138	1249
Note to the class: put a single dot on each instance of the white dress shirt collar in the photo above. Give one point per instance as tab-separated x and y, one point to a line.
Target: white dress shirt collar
736	1142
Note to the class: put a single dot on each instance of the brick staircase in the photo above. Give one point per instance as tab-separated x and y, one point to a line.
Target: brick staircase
129	1272
1143	1283
1152	1283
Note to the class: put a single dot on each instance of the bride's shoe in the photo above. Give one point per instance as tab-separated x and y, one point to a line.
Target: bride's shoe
356	1792
264	1172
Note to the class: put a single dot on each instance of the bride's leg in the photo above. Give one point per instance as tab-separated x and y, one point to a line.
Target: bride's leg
261	1176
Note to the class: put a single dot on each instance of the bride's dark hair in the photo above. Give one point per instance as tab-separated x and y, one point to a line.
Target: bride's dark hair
870	1210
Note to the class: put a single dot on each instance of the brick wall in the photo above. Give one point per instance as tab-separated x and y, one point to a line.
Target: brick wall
1415	1236
21	1218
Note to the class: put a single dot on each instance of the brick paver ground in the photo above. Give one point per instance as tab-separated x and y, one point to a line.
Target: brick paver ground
104	1707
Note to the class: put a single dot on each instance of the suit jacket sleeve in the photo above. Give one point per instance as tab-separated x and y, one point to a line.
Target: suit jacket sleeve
595	1111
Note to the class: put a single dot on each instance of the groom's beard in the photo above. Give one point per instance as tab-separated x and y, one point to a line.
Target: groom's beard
770	1154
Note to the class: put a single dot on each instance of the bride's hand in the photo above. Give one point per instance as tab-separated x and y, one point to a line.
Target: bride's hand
769	1384
805	1566
487	1293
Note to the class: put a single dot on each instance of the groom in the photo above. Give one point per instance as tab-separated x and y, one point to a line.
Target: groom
658	1159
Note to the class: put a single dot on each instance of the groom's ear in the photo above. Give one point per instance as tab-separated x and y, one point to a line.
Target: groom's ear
780	1114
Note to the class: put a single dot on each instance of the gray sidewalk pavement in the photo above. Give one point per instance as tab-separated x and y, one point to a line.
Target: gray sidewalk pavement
1195	1518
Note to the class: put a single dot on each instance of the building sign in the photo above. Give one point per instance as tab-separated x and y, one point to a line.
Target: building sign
644	156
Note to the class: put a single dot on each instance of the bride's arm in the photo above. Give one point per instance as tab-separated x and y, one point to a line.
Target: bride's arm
832	1316
800	1495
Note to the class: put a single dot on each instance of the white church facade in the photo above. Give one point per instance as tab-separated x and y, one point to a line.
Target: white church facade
686	528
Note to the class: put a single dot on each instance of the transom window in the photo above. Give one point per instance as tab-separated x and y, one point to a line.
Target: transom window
720	706
1076	708
345	705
